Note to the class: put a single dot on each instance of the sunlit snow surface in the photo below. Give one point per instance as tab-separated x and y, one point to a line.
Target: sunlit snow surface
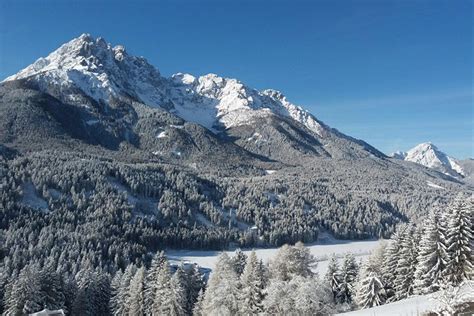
321	250
430	156
415	305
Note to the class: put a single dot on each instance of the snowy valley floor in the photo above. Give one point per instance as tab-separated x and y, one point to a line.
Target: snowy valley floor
322	250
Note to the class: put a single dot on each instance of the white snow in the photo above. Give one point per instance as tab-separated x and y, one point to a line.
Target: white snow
162	135
322	252
455	166
92	122
31	198
430	156
415	305
269	171
100	71
434	185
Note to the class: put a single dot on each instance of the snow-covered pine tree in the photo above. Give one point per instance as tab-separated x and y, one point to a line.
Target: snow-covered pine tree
263	273
159	259
197	308
460	240
178	299
251	293
162	300
222	294
93	291
348	278
406	265
115	292
51	288
136	296
120	306
195	283
390	261
239	260
332	277
23	295
432	256
370	290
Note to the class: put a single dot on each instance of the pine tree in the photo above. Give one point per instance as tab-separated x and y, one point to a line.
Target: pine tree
195	284
115	292
239	260
93	291
251	293
390	261
162	300
24	292
121	295
222	294
197	308
136	296
348	277
332	277
159	259
178	297
370	291
460	240
432	256
406	265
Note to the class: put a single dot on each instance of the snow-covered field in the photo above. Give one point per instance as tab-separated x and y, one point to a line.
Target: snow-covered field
322	250
415	305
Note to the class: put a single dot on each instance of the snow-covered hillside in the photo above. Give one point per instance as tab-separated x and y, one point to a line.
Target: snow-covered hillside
104	73
428	155
420	304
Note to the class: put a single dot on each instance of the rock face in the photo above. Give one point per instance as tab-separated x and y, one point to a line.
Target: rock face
430	156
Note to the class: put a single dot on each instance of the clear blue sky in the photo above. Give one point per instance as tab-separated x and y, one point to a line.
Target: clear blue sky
394	73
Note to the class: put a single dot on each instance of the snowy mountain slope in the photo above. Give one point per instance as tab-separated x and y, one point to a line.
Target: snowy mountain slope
103	72
90	73
430	156
97	69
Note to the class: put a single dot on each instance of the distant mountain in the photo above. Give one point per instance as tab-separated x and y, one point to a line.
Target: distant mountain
428	155
191	161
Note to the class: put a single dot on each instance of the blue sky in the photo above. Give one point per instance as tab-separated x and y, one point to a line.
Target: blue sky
394	73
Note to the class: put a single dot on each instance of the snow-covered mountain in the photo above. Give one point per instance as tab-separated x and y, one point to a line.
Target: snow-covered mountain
430	156
89	102
103	73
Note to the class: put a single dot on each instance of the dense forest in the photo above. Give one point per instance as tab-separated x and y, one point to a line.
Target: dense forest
418	259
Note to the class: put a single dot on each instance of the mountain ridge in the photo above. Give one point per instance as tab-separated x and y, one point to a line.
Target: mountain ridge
104	73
